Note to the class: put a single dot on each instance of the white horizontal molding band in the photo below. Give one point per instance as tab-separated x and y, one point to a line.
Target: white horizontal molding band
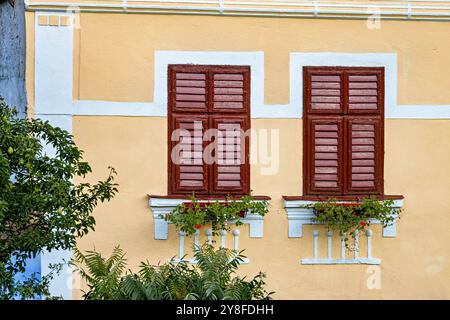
325	261
54	80
387	60
158	108
408	10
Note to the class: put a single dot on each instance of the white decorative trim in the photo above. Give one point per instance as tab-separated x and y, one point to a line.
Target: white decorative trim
374	261
386	60
437	11
53	103
298	216
111	108
194	261
161	207
53	68
158	108
256	61
60	285
209	236
54	79
344	259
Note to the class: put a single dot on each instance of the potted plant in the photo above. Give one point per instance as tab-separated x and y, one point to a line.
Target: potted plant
191	216
348	217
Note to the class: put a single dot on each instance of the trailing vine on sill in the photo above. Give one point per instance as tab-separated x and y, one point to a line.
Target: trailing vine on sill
347	217
191	216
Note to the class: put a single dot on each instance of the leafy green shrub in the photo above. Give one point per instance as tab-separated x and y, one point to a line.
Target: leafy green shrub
346	218
41	208
189	217
211	279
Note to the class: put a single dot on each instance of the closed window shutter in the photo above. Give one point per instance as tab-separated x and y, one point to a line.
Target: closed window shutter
189	172
325	154
324	90
230	91
364	155
365	131
344	124
365	91
209	97
188	89
231	165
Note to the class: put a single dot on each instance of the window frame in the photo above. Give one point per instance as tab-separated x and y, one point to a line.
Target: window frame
346	115
213	115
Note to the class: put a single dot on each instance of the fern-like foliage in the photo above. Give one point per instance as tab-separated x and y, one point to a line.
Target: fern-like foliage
213	278
103	276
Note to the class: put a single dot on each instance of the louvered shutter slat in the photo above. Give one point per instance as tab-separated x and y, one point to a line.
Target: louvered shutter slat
324	91
325	152
363	157
230	92
189	90
189	170
230	169
365	94
219	98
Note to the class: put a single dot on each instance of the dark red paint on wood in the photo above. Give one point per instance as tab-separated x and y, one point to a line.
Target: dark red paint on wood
343	131
218	97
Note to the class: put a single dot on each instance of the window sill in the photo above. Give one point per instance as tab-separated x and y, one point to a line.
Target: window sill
298	215
162	205
340	198
207	197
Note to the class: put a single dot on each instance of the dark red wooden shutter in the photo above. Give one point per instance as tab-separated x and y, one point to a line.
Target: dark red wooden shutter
211	97
323	90
365	91
188	89
344	140
231	169
325	154
188	172
230	90
364	152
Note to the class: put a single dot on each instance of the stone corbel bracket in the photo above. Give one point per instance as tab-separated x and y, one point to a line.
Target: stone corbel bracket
162	206
298	216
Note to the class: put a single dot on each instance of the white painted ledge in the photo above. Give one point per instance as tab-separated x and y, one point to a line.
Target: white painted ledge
160	207
194	261
298	216
312	261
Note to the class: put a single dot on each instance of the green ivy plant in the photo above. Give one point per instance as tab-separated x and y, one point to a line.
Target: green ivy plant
346	218
189	217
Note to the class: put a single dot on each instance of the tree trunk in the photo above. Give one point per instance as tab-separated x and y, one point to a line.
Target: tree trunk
12	54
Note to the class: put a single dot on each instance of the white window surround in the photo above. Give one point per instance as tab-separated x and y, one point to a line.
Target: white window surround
162	206
256	62
298	216
386	60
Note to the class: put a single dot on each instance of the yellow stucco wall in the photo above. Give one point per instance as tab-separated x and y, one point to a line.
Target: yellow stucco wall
116	51
114	61
414	265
